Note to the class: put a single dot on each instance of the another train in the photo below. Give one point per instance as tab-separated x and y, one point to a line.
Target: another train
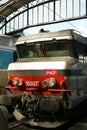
49	78
7	55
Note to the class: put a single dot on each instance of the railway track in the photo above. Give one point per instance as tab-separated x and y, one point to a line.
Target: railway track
19	127
13	124
69	126
16	125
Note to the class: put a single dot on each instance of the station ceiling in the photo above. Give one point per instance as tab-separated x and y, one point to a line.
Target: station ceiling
17	15
9	6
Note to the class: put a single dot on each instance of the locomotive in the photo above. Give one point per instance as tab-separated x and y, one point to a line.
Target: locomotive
49	78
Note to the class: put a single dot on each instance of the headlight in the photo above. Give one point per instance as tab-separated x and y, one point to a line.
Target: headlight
45	83
52	82
20	83
15	81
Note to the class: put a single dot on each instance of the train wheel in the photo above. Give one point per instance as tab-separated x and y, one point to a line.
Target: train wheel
4	115
5	112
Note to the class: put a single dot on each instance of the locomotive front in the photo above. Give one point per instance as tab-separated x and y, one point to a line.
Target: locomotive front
38	80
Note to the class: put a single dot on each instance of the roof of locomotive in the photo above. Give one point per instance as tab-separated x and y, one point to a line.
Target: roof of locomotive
48	36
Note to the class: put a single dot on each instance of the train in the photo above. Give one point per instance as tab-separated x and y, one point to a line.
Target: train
49	78
7	55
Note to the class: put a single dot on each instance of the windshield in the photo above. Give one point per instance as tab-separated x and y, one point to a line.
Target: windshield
43	49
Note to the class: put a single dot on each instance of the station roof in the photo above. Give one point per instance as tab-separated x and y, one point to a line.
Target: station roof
9	6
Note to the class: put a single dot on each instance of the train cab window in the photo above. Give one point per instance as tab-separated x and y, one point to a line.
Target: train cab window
44	49
57	48
31	51
26	51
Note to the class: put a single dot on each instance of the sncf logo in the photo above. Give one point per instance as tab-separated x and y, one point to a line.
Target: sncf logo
50	72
